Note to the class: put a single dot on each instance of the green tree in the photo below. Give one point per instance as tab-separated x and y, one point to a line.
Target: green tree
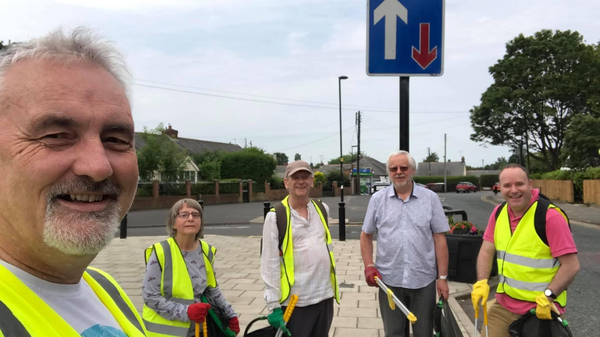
160	154
432	158
254	149
297	156
498	165
541	83
281	158
348	158
582	143
248	165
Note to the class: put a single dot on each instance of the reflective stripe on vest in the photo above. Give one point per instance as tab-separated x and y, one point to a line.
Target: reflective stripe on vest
525	263
175	285
21	308
287	260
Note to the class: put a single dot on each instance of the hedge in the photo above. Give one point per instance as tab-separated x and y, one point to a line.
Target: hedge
488	180
247	165
203	187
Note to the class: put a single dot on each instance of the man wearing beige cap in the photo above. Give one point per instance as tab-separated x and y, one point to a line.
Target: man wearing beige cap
297	258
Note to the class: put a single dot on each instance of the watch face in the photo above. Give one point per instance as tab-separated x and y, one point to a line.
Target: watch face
548	292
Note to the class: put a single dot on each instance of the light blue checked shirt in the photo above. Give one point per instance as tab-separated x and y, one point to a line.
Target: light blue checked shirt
405	250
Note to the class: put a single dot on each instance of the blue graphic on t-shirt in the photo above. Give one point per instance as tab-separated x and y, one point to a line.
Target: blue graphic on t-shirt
103	331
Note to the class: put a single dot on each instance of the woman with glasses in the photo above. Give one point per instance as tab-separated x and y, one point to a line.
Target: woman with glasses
180	288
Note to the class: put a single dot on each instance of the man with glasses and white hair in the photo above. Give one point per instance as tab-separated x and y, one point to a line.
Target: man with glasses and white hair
69	175
297	258
411	248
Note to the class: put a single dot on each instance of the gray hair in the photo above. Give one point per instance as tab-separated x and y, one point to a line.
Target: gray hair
176	208
411	160
82	44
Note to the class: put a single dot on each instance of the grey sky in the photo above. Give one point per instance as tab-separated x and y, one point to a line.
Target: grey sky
255	53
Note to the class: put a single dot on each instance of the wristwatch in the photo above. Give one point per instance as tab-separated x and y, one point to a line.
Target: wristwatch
444	277
549	293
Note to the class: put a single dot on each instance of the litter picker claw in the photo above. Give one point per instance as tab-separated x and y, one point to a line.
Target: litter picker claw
288	313
393	301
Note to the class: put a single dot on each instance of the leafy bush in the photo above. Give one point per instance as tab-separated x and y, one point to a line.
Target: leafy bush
336	176
248	165
229	187
210	169
558	175
144	190
535	176
276	183
172	189
488	180
320	178
258	187
203	187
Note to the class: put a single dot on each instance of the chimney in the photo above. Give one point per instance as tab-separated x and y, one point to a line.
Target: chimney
462	159
171	132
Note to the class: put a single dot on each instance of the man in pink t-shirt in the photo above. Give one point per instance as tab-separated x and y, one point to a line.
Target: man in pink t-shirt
517	190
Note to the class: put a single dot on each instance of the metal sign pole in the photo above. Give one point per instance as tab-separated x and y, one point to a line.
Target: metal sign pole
404	126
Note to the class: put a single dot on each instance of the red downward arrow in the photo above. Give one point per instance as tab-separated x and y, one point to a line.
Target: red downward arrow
423	56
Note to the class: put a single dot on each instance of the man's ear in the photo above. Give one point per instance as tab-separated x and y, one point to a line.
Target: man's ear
285	182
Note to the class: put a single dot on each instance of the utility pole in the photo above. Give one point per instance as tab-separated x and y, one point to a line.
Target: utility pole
358	152
245	143
445	162
482	166
429	159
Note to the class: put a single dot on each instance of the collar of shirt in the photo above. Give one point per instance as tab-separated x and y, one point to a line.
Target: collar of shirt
416	192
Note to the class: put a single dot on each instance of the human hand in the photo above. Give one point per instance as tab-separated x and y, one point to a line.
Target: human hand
197	312
480	293
542	311
442	288
370	273
275	319
234	325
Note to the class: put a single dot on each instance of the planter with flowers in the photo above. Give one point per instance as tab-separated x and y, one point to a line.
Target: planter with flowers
464	241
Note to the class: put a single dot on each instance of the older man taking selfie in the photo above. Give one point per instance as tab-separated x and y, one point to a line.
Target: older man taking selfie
69	174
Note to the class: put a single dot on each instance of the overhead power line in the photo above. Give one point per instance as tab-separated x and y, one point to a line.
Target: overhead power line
289	104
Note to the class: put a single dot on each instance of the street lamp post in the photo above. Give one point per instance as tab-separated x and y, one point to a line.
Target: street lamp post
342	209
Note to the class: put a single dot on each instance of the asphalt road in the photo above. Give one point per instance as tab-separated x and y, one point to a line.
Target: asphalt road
237	219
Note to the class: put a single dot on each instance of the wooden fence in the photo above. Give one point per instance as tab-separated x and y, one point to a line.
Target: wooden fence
556	189
591	192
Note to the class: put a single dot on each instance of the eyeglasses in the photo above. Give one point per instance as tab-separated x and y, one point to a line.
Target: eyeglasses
185	215
403	169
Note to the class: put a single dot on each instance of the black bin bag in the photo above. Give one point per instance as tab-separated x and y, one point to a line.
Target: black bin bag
531	326
444	323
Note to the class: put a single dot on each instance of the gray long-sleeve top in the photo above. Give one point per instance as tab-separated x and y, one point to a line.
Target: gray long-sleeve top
176	311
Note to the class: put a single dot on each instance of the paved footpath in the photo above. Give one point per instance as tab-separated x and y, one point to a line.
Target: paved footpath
238	274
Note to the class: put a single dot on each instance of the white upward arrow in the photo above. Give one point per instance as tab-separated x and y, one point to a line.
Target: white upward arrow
390	9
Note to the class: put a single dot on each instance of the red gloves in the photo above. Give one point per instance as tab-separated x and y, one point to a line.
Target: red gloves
234	325
197	312
370	274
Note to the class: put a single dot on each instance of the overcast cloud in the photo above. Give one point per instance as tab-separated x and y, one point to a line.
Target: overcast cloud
231	61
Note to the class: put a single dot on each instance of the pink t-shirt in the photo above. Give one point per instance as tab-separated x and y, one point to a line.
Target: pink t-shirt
560	240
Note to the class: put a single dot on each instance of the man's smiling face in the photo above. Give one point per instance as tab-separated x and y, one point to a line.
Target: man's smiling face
516	188
68	165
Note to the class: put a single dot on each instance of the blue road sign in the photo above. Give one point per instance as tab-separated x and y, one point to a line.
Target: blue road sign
405	37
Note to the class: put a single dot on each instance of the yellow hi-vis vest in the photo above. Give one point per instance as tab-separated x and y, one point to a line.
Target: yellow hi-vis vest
525	263
25	314
287	259
175	285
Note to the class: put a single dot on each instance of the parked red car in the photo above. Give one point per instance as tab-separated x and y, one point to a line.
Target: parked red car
466	187
496	188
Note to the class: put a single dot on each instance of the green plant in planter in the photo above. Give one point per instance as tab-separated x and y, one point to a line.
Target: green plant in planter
464	228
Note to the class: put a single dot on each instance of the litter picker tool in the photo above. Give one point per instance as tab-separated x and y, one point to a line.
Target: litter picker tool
393	301
485	320
288	313
204	329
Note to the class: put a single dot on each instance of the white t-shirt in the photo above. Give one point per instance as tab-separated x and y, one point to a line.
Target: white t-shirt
77	304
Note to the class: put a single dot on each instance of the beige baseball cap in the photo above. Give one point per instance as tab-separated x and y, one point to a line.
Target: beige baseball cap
296	166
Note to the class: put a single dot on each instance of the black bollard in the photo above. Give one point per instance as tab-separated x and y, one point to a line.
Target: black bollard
124	227
267	208
201	202
342	224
